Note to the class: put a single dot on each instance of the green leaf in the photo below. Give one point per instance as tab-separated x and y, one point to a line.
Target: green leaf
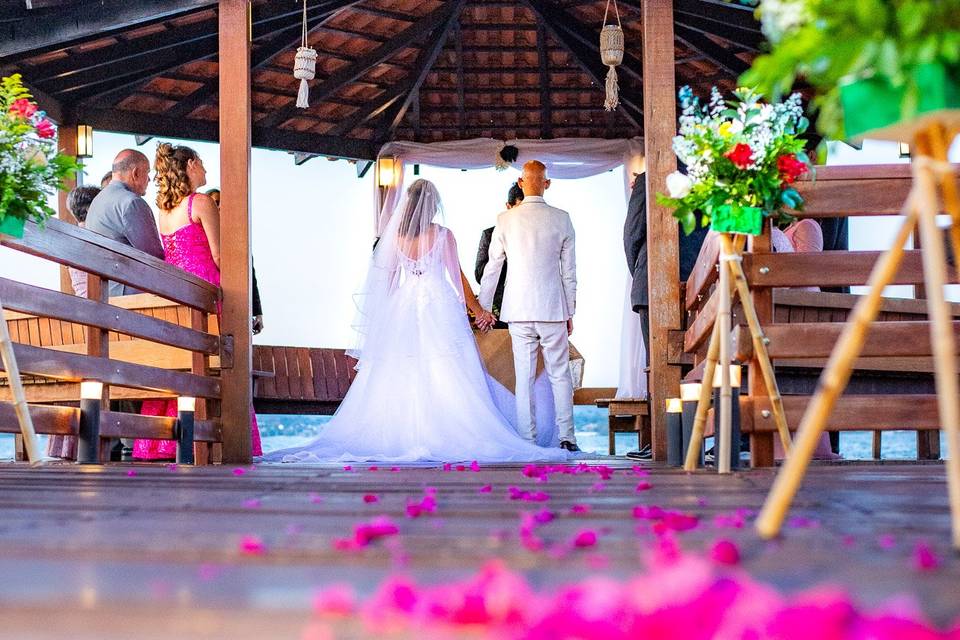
911	16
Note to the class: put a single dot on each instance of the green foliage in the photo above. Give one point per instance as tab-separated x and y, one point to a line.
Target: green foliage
828	43
31	168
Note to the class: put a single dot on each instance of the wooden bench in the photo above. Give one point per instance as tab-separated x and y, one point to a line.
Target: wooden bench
626	415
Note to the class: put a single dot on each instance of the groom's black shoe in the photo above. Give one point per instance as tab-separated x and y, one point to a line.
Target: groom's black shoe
569	446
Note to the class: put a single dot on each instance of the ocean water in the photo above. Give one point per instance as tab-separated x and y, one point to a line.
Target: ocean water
280	431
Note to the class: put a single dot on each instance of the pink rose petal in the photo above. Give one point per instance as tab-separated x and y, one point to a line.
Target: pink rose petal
172	466
394	469
373	467
643	486
131	473
316	499
252	546
239	471
924	558
585	538
579	509
370	498
725	551
598	487
347	467
251	503
475	466
487	488
887	541
335	600
447	466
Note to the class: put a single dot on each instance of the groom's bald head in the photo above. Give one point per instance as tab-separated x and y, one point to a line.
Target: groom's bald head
534	180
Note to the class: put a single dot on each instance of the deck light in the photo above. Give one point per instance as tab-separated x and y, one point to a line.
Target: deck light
88	435
84	141
186	407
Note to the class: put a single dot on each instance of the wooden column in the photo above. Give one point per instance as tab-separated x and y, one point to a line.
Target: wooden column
761	444
659	127
235	130
67	142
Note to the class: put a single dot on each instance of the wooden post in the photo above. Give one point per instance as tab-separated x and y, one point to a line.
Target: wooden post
67	142
98	344
200	365
235	131
761	444
660	125
722	423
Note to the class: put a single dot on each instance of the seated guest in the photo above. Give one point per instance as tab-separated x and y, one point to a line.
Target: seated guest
119	211
106	179
78	202
514	197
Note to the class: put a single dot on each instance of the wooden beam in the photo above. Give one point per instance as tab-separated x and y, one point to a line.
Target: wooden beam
588	39
851	413
461	112
720	11
746	38
351	72
69	26
721	56
206	130
825	268
427	58
583	56
67	142
279	42
235	135
660	118
141	139
299	157
546	112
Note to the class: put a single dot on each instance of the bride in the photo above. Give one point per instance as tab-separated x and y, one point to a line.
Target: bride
421	391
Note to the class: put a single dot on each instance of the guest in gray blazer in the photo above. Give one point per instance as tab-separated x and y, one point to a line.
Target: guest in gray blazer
119	211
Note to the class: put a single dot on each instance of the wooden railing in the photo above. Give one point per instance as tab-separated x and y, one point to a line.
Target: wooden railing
803	326
95	318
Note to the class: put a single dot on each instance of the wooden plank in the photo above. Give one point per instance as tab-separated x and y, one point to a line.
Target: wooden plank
629	407
345	372
235	135
659	116
761	445
100	255
306	374
590	395
144	352
293	371
266	387
281	372
46	419
699	330
51	391
816	340
76	367
852	413
317	363
703	276
132	425
52	304
846	301
330	373
46	339
826	268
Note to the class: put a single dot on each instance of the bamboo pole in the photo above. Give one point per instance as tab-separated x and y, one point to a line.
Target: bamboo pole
703	404
723	426
759	343
941	334
834	379
939	141
30	439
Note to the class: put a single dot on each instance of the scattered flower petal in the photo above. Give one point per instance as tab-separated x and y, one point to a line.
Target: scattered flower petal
370	498
252	546
725	552
643	486
585	538
579	509
487	488
251	503
239	471
924	558
131	473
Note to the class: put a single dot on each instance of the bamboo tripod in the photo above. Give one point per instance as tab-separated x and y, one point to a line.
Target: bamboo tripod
732	279
930	170
30	438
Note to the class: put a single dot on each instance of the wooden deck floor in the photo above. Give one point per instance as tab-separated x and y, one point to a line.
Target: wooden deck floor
99	553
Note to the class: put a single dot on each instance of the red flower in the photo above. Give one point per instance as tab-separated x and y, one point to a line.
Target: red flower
740	155
45	129
23	108
790	168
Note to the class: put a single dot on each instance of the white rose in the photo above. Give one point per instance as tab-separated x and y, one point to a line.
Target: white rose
679	185
736	127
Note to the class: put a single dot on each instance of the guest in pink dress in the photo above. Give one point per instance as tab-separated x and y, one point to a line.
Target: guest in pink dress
190	231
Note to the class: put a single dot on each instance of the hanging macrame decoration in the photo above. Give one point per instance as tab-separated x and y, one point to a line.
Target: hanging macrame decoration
304	65
611	53
506	157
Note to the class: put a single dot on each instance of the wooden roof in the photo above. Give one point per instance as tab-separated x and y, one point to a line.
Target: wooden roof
425	70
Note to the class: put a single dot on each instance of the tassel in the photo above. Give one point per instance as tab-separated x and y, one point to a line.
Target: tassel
613	90
303	96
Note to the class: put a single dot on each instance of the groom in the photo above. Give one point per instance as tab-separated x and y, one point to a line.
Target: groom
539	299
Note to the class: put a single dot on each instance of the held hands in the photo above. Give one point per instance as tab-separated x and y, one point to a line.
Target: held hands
484	320
570	326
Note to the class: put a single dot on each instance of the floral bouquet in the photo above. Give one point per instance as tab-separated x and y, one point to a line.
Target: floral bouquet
742	158
31	168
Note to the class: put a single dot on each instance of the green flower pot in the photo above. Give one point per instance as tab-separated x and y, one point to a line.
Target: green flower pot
874	108
735	218
12	226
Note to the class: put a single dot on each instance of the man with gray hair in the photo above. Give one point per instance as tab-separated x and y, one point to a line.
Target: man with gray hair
119	211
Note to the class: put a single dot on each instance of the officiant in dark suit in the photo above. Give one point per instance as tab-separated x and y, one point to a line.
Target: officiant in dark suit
635	248
514	197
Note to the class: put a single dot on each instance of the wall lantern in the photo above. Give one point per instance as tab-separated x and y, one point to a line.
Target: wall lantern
386	171
84	141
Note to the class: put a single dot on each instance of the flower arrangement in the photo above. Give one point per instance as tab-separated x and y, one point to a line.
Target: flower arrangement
904	50
31	167
742	158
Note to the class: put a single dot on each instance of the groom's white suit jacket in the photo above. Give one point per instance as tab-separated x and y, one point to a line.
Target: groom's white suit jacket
537	241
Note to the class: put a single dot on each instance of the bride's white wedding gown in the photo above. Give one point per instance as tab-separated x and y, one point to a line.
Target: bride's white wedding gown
421	391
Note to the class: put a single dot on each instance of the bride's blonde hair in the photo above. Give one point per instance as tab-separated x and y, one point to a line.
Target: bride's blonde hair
173	184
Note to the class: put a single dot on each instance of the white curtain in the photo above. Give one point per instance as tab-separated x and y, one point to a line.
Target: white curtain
566	158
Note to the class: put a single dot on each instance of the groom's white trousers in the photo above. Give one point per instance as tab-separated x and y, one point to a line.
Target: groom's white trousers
528	338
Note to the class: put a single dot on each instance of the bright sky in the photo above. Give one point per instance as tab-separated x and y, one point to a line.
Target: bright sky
312	233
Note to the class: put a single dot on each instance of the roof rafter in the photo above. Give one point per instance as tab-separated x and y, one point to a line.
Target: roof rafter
722	57
351	72
554	21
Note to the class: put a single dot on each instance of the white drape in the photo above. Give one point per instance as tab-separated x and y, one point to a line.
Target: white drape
566	158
